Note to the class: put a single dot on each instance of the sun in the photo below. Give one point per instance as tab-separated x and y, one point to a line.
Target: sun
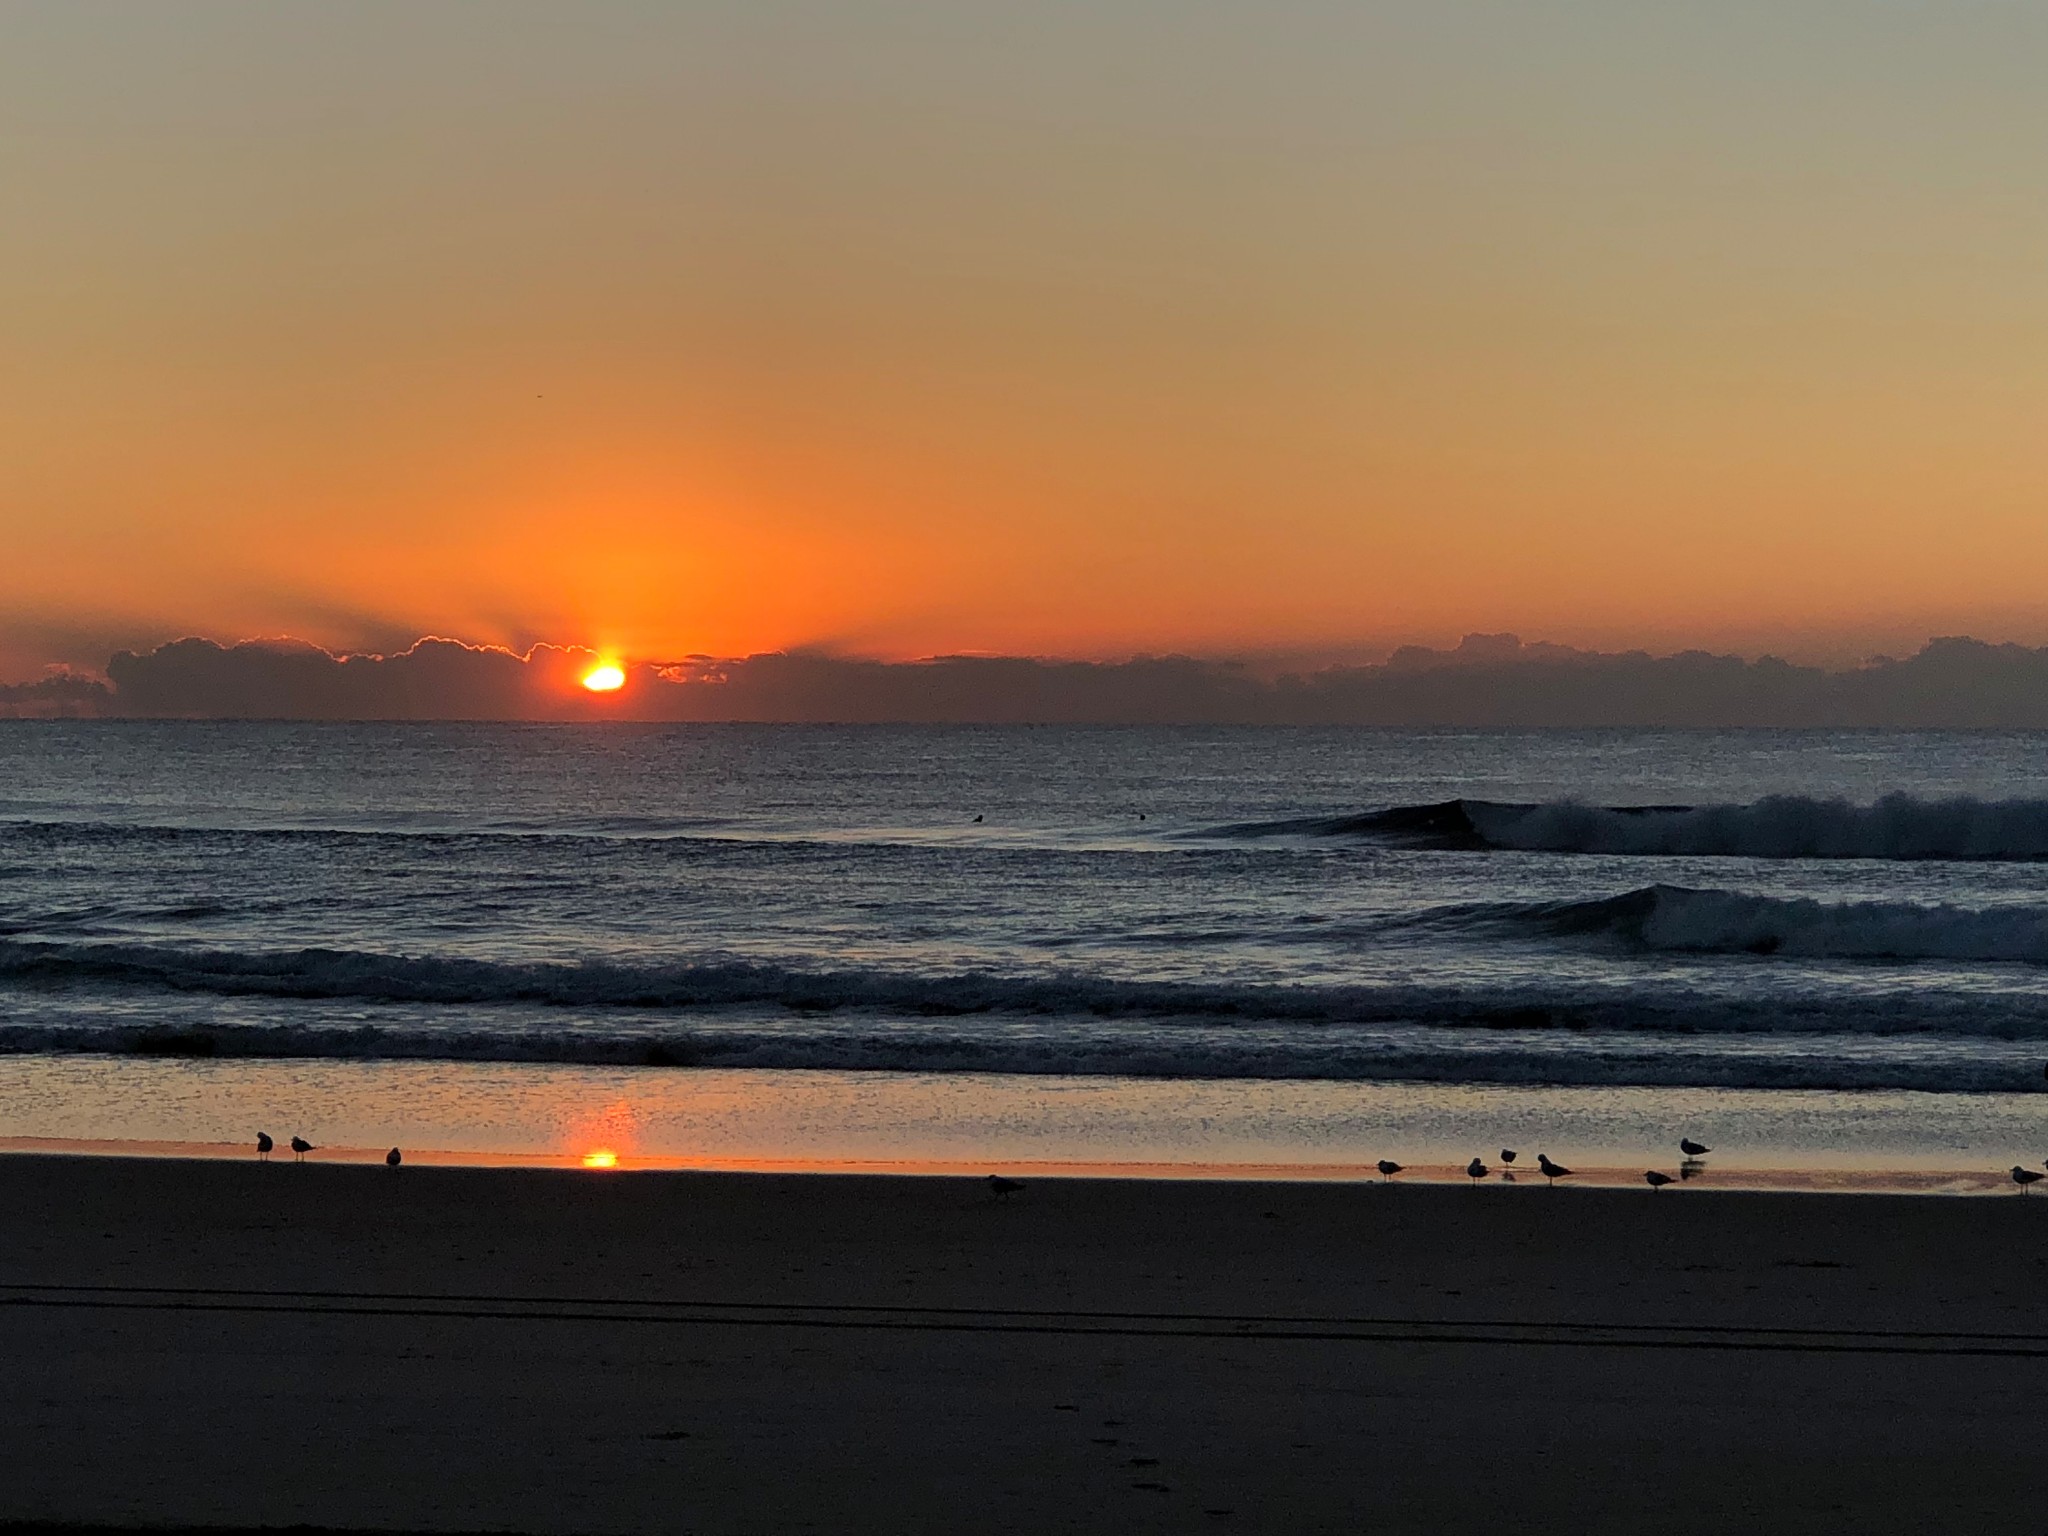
605	677
603	1157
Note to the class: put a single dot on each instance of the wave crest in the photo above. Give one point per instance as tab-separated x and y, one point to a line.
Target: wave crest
1678	919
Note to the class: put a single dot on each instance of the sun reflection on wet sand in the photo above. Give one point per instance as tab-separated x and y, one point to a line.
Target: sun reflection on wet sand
652	1120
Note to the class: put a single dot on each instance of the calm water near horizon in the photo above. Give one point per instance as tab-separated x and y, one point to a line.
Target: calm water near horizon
1265	918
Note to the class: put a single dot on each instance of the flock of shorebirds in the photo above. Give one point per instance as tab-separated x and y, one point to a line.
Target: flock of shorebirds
1475	1170
1552	1170
300	1147
1549	1167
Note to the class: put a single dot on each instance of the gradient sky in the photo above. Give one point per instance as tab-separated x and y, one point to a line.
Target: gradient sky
1302	327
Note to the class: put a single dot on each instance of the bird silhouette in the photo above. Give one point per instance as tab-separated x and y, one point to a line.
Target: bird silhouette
1656	1180
1692	1148
1475	1171
2025	1176
263	1146
1388	1167
977	821
1507	1155
1549	1170
1001	1187
300	1147
392	1159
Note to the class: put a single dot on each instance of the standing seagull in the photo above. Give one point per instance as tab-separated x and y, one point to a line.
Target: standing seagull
392	1159
1507	1155
1655	1179
1551	1171
263	1146
1692	1148
1001	1187
2025	1176
1388	1167
1475	1171
300	1147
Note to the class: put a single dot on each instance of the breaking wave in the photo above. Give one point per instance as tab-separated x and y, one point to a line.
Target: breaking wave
1901	827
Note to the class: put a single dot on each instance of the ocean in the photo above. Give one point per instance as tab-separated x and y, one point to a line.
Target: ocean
1231	917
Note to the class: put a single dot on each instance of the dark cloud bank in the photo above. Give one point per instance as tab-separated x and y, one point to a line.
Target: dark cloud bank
1485	680
1489	680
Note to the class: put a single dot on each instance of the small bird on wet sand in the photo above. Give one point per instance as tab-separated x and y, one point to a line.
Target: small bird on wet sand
392	1159
263	1146
1507	1155
1656	1180
2025	1176
1001	1187
1475	1171
300	1147
1388	1167
1692	1148
1549	1170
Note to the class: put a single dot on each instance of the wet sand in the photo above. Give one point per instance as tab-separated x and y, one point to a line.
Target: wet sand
196	1343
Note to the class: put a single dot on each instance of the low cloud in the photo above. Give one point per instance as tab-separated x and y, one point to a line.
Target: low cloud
1488	680
60	696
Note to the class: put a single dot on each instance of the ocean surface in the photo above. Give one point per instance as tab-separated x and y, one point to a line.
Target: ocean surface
1748	910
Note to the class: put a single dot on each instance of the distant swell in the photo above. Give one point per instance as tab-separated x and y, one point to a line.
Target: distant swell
1777	827
613	987
1662	918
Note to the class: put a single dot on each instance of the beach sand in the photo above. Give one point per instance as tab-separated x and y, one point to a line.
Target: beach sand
194	1343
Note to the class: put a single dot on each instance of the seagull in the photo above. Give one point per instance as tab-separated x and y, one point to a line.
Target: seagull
1656	1180
2025	1176
1506	1155
300	1147
1692	1148
1549	1170
392	1159
1475	1171
1001	1187
1388	1167
263	1146
977	821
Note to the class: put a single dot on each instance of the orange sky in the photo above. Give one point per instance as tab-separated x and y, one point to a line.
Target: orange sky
1302	329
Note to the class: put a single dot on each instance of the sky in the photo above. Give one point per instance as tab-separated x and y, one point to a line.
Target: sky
1301	329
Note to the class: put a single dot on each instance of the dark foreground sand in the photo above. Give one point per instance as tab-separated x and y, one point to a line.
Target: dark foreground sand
195	1343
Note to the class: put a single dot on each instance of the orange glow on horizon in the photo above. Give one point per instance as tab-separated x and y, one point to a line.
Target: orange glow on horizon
606	677
603	1157
1318	365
